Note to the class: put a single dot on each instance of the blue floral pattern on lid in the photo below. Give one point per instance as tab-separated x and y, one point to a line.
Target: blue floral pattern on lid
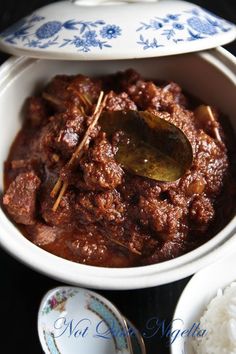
51	28
86	35
164	32
187	26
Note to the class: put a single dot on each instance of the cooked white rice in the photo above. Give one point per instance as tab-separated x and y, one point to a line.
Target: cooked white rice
219	320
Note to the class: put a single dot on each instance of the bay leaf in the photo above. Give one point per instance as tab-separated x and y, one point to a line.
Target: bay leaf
149	145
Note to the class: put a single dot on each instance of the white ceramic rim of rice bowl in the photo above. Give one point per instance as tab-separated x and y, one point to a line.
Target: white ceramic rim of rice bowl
19	76
196	296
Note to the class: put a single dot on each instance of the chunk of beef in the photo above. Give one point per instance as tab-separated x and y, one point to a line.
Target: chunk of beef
93	248
56	92
36	111
64	215
210	162
119	102
20	198
138	240
85	85
61	135
183	119
201	212
42	234
100	170
96	207
176	92
135	186
170	249
89	248
69	135
145	94
161	216
21	164
63	91
127	78
120	81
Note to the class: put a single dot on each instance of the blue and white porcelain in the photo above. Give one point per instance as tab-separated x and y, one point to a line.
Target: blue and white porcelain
97	29
74	320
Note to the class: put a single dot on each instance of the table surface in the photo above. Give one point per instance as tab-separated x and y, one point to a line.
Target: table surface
23	288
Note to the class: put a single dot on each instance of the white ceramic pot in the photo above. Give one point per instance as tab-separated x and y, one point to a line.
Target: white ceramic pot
207	75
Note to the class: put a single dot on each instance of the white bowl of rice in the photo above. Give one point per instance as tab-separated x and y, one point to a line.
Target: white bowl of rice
204	321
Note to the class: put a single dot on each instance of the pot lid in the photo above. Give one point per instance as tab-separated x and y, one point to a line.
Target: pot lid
112	29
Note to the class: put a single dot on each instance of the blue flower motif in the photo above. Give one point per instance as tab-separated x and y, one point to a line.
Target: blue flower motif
110	31
168	33
14	28
90	38
70	25
48	29
21	32
78	41
33	43
36	18
156	24
47	44
90	35
45	35
194	36
21	27
147	44
201	26
173	17
178	26
191	25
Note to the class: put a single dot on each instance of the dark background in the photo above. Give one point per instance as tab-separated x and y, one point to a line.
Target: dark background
21	288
